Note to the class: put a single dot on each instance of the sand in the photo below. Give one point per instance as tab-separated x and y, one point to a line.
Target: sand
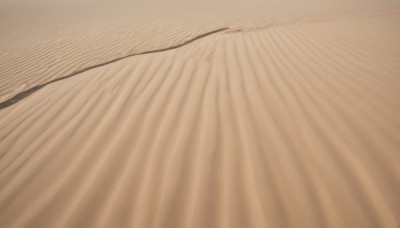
43	40
291	124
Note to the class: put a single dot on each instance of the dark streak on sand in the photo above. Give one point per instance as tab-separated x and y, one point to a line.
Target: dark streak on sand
30	91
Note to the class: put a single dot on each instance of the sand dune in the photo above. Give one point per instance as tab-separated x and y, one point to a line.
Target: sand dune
44	40
25	93
288	126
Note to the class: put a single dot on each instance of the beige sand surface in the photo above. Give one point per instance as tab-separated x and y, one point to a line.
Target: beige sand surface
293	125
42	40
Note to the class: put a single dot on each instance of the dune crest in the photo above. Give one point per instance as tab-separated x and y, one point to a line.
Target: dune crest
44	40
289	126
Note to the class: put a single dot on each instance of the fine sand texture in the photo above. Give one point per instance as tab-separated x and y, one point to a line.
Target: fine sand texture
295	125
44	40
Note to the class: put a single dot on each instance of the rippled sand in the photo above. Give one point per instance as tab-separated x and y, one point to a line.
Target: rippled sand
289	124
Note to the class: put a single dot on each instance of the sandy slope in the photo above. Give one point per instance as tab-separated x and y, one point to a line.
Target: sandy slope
43	40
294	125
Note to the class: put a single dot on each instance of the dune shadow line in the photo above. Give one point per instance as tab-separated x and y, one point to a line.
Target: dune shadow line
32	90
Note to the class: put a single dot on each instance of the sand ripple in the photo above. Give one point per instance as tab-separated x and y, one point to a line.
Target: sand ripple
290	126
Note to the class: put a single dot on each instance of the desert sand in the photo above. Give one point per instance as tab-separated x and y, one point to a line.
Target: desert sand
282	117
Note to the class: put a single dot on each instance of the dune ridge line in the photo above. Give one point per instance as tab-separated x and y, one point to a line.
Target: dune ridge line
18	97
